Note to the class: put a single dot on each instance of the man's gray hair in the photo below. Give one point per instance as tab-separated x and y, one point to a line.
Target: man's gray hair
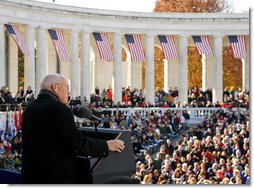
50	79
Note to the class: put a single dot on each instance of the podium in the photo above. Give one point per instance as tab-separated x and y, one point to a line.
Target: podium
96	170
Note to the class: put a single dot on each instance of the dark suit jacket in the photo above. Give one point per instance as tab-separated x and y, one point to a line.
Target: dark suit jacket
50	140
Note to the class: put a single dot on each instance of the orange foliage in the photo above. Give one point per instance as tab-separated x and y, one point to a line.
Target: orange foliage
199	6
194	68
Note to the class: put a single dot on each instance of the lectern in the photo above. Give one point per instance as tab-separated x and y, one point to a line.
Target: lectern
97	170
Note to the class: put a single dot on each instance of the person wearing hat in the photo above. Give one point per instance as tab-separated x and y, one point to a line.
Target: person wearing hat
210	172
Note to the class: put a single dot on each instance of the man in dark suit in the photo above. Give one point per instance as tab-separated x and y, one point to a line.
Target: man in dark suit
169	148
51	138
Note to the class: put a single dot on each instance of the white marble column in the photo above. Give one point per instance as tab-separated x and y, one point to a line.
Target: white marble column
29	65
85	66
218	69
173	70
204	74
41	59
243	74
2	56
128	82
124	73
117	68
13	66
74	71
246	77
166	62
149	68
209	71
183	69
92	76
136	75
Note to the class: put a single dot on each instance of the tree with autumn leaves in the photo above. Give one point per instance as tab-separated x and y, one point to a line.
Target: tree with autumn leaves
191	6
231	66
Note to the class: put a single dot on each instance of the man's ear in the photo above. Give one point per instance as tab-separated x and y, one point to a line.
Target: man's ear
54	87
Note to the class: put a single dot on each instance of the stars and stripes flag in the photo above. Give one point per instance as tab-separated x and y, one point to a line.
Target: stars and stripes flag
16	35
15	119
203	45
237	43
57	37
135	47
168	46
103	46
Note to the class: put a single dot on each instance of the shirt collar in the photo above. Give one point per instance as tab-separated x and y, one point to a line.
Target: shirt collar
50	93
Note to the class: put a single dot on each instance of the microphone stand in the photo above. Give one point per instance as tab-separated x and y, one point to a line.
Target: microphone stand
96	123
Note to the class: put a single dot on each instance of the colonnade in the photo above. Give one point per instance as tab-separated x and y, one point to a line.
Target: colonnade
80	80
80	23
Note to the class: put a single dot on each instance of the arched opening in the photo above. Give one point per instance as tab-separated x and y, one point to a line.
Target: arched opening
194	67
232	70
158	68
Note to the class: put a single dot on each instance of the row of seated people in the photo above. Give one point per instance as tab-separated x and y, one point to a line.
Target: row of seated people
136	98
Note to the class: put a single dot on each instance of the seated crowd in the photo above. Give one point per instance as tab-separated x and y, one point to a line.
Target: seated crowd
136	98
214	152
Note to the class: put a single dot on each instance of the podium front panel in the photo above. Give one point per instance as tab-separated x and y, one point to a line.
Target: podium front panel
97	170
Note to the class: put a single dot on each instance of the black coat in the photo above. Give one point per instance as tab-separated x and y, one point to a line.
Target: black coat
50	141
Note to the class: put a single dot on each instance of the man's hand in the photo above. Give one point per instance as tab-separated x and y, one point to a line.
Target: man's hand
115	145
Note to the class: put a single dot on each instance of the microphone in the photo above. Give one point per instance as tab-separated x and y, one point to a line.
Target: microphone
84	112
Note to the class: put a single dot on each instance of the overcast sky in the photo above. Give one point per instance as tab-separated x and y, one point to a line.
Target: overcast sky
137	5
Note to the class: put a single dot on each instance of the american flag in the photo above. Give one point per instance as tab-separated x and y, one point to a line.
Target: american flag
238	46
203	45
103	46
16	35
135	47
59	44
168	46
15	117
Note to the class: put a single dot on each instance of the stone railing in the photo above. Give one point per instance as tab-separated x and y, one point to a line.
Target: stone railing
195	113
